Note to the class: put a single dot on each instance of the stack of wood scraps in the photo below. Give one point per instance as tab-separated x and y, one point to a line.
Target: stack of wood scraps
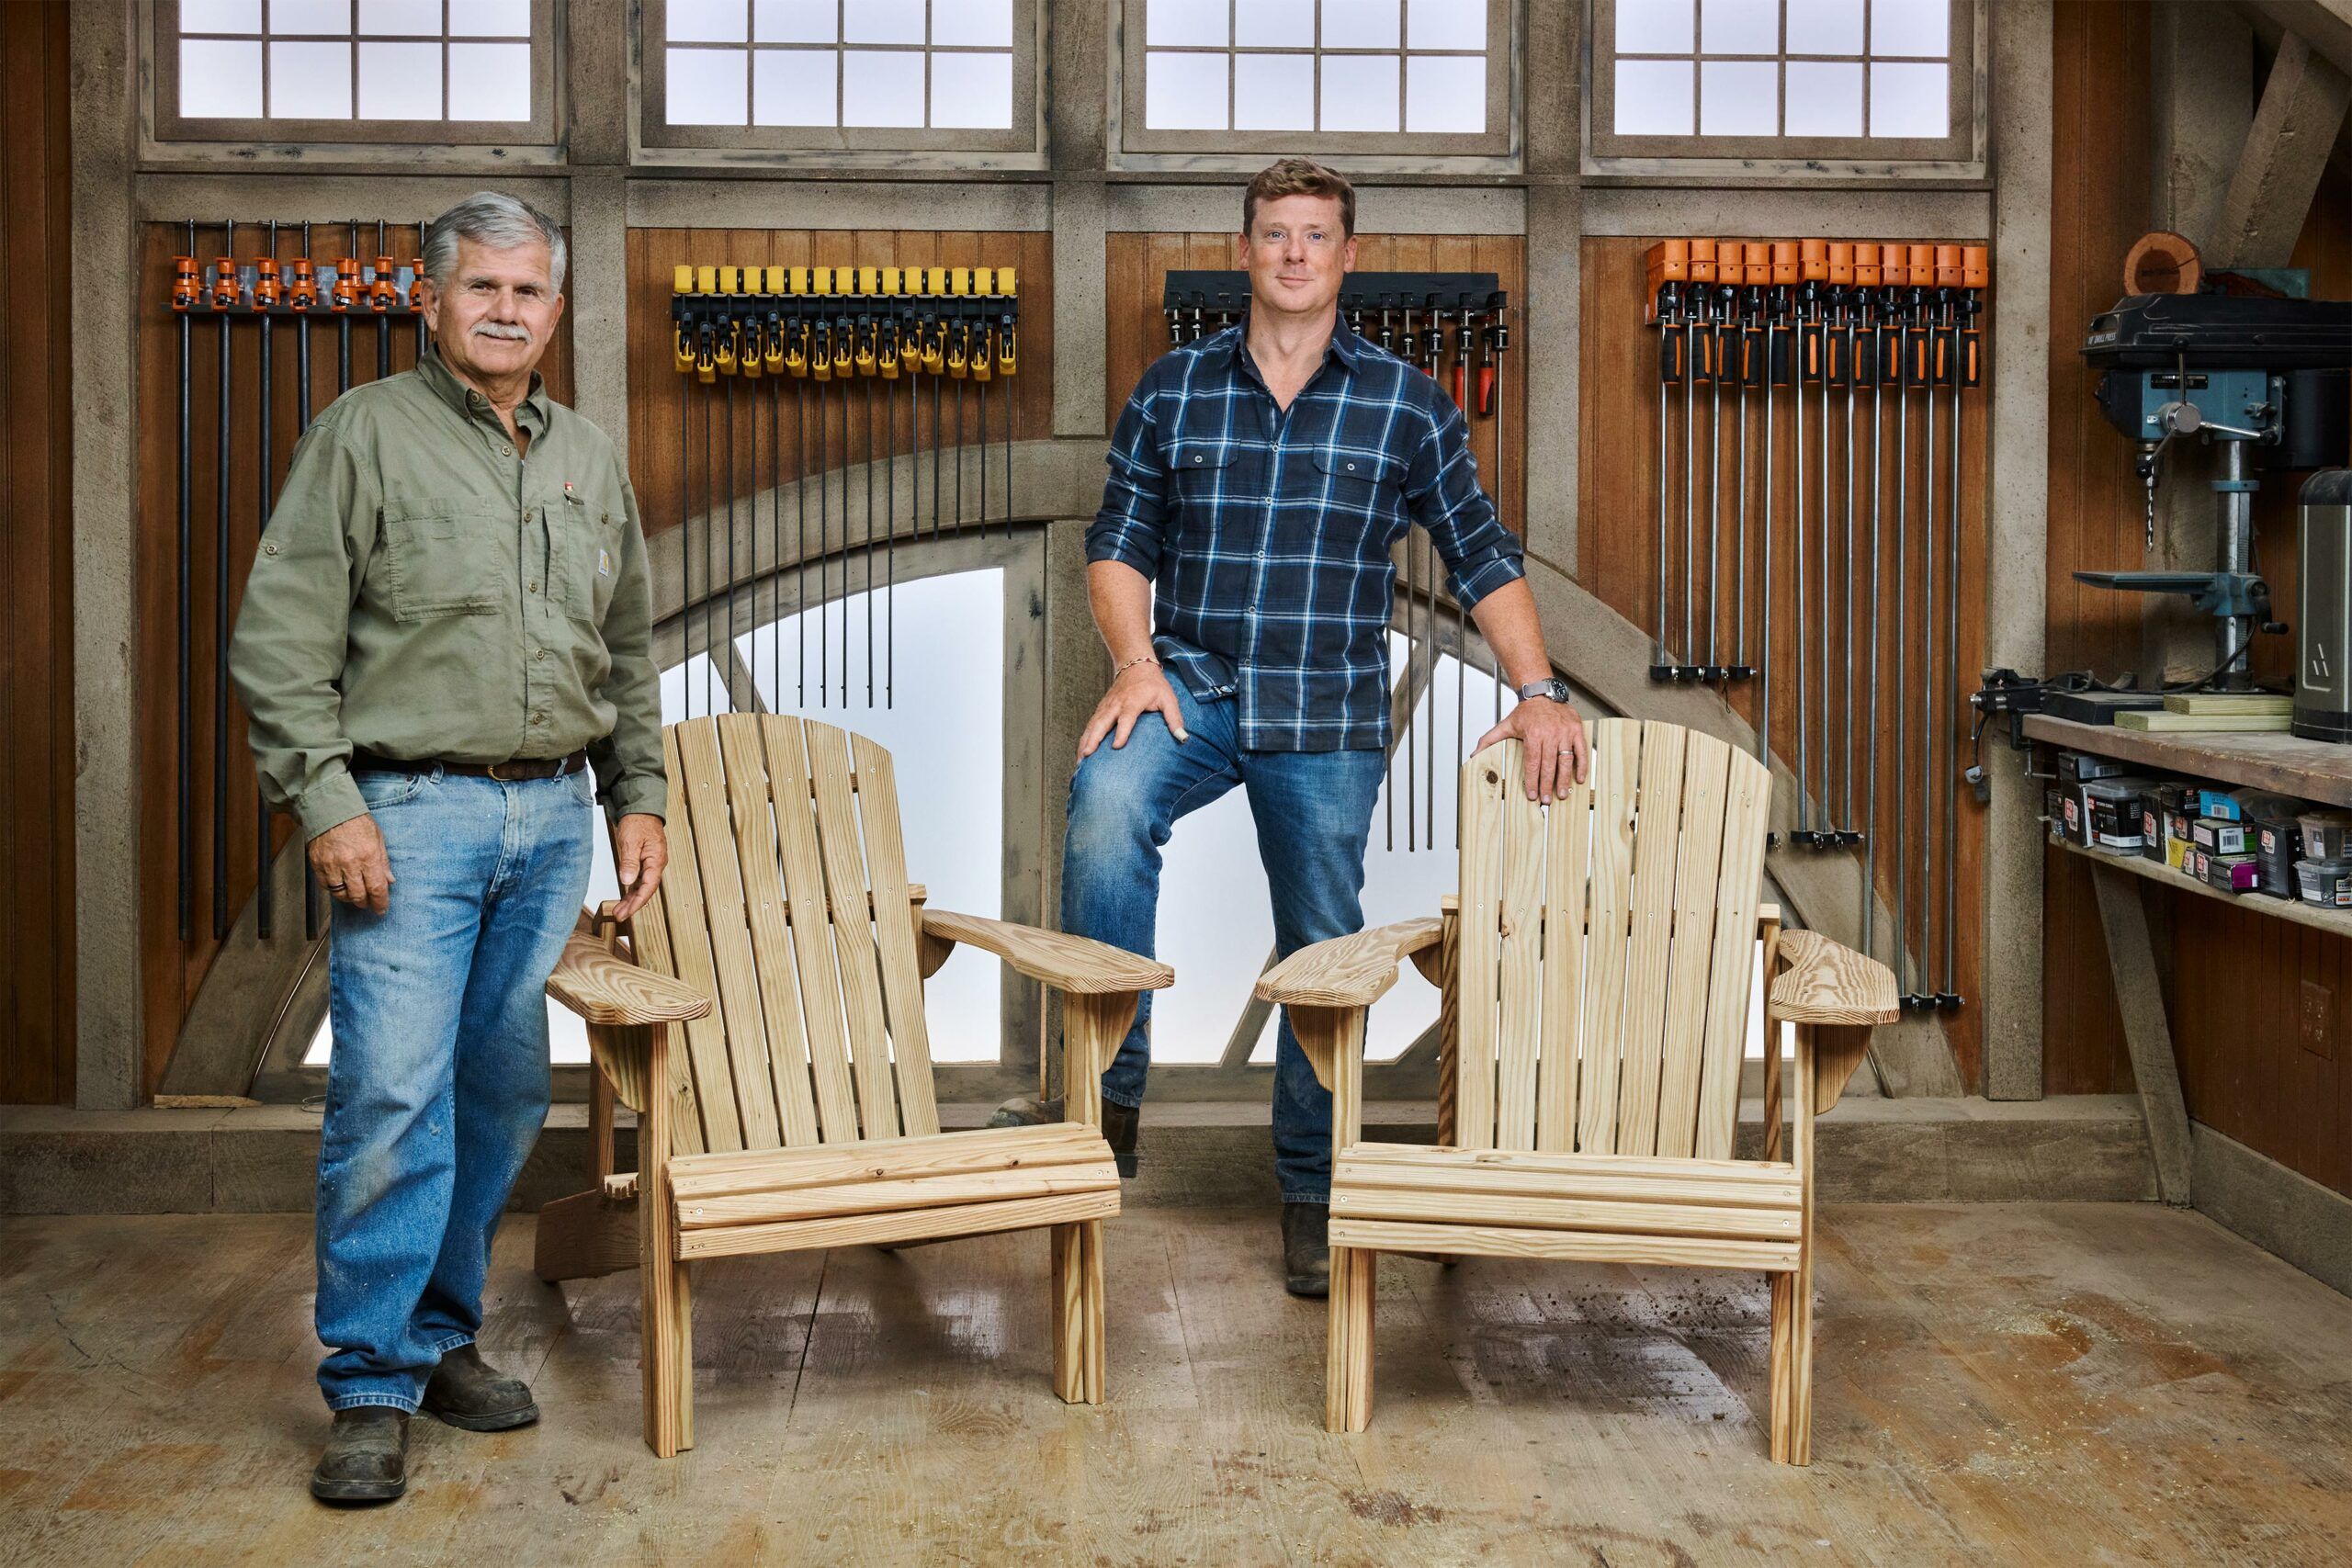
2213	711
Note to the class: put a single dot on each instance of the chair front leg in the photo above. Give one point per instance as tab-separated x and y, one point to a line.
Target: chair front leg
1092	1026
668	1326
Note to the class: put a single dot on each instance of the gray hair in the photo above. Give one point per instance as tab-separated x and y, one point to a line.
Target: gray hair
498	221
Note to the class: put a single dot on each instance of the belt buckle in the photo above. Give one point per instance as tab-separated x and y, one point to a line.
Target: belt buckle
497	777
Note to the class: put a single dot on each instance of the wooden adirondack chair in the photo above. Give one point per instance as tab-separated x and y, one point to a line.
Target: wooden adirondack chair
800	1113
1595	974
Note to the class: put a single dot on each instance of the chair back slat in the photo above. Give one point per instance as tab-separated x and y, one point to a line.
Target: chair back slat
1616	773
1568	853
852	931
1748	810
1658	815
1521	937
1698	874
812	946
689	927
1605	948
894	933
1483	780
750	807
719	862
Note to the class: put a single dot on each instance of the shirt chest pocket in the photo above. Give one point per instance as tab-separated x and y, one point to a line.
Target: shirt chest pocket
1352	481
1205	472
584	544
446	557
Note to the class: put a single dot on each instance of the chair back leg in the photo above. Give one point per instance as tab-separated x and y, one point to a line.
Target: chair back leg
1348	1374
1078	1312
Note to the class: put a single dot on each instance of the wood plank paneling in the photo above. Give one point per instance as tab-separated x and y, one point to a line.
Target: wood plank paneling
36	563
172	970
1617	543
835	425
1138	332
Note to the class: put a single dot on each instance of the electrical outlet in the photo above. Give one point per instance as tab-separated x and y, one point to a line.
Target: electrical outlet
2319	1020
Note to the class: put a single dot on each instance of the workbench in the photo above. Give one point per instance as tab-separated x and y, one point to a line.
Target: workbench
2312	770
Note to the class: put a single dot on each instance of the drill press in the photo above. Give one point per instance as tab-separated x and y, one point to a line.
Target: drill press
2266	379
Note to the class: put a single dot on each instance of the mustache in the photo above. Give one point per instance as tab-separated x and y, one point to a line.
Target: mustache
506	331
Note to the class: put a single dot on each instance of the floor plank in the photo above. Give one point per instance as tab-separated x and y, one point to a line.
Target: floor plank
1997	1383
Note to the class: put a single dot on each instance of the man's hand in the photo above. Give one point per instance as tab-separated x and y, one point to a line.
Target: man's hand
1553	736
1141	688
350	859
640	854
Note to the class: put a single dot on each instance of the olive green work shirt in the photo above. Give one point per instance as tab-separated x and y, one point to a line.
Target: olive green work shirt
424	589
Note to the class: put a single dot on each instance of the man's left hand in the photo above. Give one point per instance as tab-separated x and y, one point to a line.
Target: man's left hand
640	854
1554	739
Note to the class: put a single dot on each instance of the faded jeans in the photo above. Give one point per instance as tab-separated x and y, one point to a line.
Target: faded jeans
1313	811
439	1082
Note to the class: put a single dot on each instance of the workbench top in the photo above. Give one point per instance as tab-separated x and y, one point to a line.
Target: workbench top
2285	764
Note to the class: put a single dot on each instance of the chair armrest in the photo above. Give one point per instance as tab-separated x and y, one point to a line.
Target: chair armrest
1074	963
1821	981
604	987
1348	971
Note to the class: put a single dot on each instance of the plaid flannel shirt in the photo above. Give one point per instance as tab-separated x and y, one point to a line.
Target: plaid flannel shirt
1267	534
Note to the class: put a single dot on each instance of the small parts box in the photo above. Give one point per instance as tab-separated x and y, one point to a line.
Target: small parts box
2327	883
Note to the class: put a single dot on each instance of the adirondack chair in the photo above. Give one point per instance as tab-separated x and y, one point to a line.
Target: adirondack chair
1594	975
784	952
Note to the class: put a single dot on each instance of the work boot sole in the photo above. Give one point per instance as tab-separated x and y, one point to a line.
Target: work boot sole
344	1492
1314	1287
495	1421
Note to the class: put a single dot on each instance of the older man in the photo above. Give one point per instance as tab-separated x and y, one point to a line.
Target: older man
1241	575
447	633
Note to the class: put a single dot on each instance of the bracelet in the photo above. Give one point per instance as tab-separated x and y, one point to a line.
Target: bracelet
1138	658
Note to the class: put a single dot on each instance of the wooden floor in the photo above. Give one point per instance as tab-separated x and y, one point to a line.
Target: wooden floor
1997	1384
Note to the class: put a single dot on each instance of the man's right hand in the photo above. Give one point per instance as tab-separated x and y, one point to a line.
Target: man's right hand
350	859
1140	689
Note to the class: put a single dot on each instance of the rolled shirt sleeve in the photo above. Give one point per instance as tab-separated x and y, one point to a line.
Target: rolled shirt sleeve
1131	526
1442	493
292	634
630	777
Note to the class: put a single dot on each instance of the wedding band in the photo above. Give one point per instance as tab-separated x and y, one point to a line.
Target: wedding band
334	887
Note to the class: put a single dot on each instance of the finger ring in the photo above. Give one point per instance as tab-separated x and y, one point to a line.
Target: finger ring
334	887
1567	751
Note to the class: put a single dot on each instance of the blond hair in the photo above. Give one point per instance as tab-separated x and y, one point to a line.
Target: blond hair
1300	177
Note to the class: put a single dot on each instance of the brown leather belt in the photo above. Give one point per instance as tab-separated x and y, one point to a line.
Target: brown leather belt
513	771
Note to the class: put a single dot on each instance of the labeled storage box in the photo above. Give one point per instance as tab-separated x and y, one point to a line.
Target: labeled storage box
2326	834
2325	882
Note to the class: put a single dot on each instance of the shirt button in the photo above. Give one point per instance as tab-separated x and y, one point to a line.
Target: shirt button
542	653
533	587
506	451
269	547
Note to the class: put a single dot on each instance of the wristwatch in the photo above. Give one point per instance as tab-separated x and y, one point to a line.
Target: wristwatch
1554	689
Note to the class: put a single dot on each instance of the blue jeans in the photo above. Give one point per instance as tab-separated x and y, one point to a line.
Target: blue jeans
1314	814
438	1083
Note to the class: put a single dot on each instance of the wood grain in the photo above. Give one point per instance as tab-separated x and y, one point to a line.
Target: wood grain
1823	982
873	1230
1348	971
606	989
1072	963
702	1178
896	1194
35	553
1571	1246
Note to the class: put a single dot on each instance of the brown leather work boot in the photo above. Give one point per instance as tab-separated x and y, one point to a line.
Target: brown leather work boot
367	1457
1307	1249
467	1392
1121	1124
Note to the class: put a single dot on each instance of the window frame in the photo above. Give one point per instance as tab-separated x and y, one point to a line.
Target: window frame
1960	154
1497	149
657	138
166	126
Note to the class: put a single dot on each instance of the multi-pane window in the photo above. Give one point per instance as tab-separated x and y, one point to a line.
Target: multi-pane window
1342	65
1317	75
297	65
1791	78
878	70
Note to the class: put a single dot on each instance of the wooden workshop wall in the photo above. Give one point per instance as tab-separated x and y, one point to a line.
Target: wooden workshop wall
36	557
2257	1007
1618	561
1136	264
654	436
172	970
2100	202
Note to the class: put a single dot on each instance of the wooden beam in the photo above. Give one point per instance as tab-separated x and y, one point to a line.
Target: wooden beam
2138	994
2302	108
